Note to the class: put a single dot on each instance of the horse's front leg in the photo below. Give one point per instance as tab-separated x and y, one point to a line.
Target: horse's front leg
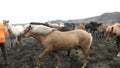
57	59
17	42
45	52
11	44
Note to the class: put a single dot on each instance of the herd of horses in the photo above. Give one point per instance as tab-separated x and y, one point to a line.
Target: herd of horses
66	37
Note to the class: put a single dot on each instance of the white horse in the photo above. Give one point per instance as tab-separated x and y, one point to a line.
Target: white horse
14	31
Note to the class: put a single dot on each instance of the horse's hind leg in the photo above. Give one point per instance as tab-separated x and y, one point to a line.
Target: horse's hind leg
68	54
118	47
45	52
86	56
57	59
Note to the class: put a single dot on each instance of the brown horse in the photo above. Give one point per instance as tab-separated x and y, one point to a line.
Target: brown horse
61	41
113	31
101	31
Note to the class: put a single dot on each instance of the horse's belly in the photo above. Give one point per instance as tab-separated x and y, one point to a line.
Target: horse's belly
64	47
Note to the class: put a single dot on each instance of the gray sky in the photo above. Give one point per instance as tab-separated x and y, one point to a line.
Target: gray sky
25	11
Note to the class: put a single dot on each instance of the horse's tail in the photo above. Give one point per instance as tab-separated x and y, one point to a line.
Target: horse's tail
91	38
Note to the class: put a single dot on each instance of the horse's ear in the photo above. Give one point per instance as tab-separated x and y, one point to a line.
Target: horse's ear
30	26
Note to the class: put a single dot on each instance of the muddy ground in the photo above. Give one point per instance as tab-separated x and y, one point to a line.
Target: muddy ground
102	55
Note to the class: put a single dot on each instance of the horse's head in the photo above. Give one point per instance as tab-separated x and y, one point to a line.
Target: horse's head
25	33
109	33
82	26
6	22
100	28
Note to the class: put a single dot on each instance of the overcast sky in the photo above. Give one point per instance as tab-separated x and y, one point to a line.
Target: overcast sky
25	11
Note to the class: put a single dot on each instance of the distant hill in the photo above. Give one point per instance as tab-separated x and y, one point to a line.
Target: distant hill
104	18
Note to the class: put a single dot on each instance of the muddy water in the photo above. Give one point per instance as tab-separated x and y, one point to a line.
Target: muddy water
102	55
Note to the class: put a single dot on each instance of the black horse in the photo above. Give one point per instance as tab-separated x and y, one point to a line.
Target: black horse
92	26
67	27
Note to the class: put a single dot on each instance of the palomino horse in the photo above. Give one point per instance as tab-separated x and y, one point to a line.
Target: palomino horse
113	31
82	26
61	41
14	31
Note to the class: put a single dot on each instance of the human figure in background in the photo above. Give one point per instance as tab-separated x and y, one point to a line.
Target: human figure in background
3	33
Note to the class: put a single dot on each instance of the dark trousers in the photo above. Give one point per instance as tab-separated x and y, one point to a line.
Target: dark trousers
2	45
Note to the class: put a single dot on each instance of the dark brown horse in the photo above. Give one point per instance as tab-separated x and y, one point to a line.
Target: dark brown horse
92	26
61	41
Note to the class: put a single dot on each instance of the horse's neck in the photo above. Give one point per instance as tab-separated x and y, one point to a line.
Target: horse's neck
10	30
40	38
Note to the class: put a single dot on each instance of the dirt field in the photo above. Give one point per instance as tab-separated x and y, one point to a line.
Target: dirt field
102	55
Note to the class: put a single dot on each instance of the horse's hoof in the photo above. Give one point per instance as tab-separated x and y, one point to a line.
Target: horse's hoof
37	67
83	67
57	67
118	54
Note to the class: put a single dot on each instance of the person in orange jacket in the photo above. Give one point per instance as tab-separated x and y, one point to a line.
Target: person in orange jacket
3	33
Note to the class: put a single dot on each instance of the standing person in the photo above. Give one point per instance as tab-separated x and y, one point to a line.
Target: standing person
3	33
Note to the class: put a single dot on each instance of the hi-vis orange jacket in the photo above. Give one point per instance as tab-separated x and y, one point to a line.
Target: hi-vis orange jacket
2	33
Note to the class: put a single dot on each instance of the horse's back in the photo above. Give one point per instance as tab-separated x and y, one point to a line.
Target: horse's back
73	35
